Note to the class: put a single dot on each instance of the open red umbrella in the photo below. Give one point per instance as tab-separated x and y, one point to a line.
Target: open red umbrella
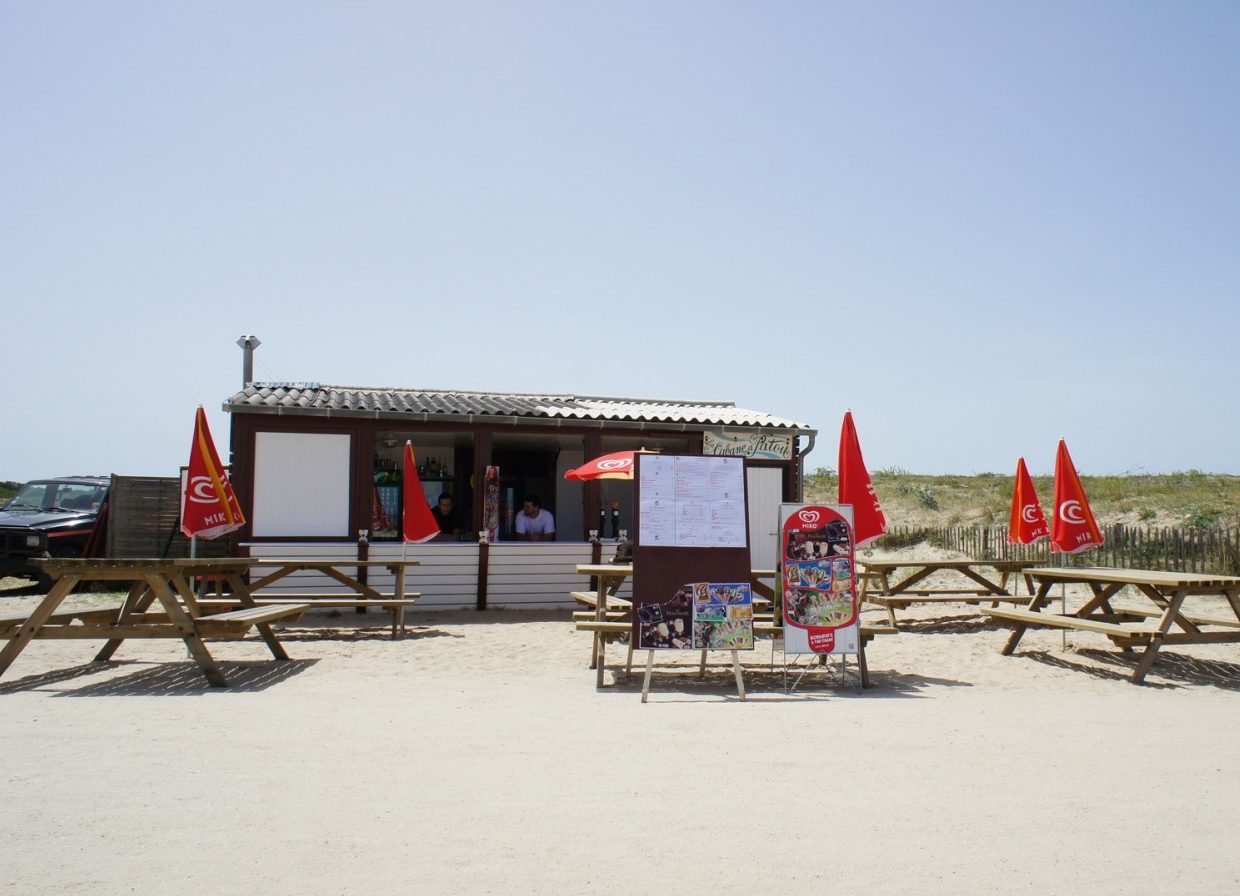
617	465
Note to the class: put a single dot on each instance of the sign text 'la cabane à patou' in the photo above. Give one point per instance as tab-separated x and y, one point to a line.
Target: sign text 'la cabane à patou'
763	446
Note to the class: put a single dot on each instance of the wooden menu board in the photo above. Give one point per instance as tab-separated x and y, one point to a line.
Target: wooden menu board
691	554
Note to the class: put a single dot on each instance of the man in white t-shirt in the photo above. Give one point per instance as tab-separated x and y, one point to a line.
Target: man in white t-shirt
534	523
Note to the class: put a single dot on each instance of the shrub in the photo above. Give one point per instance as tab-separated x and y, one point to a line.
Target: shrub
1203	518
904	538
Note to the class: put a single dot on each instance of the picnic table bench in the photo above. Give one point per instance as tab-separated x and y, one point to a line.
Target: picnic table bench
590	599
310	600
1118	632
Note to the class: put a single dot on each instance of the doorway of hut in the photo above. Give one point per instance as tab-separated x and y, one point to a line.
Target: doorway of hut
524	472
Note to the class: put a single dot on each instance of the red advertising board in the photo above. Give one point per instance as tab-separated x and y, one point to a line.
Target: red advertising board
818	579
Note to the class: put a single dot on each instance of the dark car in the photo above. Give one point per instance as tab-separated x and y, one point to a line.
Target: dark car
49	518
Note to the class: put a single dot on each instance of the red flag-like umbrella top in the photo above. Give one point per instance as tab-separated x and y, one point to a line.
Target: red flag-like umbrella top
417	522
1075	528
857	489
1027	523
210	508
617	465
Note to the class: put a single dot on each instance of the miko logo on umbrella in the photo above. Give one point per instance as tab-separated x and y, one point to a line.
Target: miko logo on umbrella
617	465
201	490
1070	512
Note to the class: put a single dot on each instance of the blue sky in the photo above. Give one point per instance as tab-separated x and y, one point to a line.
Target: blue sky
983	226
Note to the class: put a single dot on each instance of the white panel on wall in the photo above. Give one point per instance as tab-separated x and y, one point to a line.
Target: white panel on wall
301	484
766	491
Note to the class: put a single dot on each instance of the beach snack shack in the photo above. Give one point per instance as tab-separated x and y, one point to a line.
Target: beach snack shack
317	469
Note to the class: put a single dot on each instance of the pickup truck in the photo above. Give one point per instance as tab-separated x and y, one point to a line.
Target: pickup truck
49	518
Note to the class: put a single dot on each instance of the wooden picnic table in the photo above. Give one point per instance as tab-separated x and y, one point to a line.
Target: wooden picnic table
1167	623
605	580
168	581
358	594
758	582
878	587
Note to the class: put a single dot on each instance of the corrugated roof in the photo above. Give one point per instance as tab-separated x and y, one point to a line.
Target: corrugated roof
315	399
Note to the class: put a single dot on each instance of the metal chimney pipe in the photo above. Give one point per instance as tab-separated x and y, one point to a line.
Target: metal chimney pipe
248	344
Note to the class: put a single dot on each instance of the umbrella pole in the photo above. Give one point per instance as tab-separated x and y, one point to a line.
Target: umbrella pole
1063	605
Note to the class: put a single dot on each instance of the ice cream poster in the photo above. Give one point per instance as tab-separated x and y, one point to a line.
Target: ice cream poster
818	580
699	616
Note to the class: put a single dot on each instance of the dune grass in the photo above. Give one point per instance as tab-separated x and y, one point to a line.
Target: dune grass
1191	498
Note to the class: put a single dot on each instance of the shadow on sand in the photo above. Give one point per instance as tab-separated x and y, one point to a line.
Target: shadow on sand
182	678
1170	670
326	628
185	679
680	682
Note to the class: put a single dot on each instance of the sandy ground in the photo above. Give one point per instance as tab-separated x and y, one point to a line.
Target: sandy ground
476	756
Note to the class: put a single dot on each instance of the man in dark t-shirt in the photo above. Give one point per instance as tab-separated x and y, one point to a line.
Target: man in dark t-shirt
447	517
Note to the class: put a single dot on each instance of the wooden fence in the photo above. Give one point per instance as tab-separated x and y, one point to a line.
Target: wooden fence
144	520
1214	551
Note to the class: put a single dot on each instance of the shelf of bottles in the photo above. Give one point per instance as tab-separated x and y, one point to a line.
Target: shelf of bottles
436	478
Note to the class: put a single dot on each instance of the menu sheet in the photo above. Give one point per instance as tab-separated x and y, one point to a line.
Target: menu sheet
692	502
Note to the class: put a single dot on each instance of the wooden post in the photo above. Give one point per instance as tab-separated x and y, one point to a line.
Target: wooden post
363	553
484	562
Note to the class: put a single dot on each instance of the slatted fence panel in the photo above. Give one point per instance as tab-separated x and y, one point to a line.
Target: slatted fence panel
536	575
1178	549
446	575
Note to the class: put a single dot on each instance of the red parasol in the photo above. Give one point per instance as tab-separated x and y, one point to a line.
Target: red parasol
209	508
1027	523
617	465
417	522
1075	528
857	489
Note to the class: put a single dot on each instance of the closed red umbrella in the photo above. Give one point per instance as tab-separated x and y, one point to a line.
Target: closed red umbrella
857	489
209	508
417	522
1027	523
617	465
1075	528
